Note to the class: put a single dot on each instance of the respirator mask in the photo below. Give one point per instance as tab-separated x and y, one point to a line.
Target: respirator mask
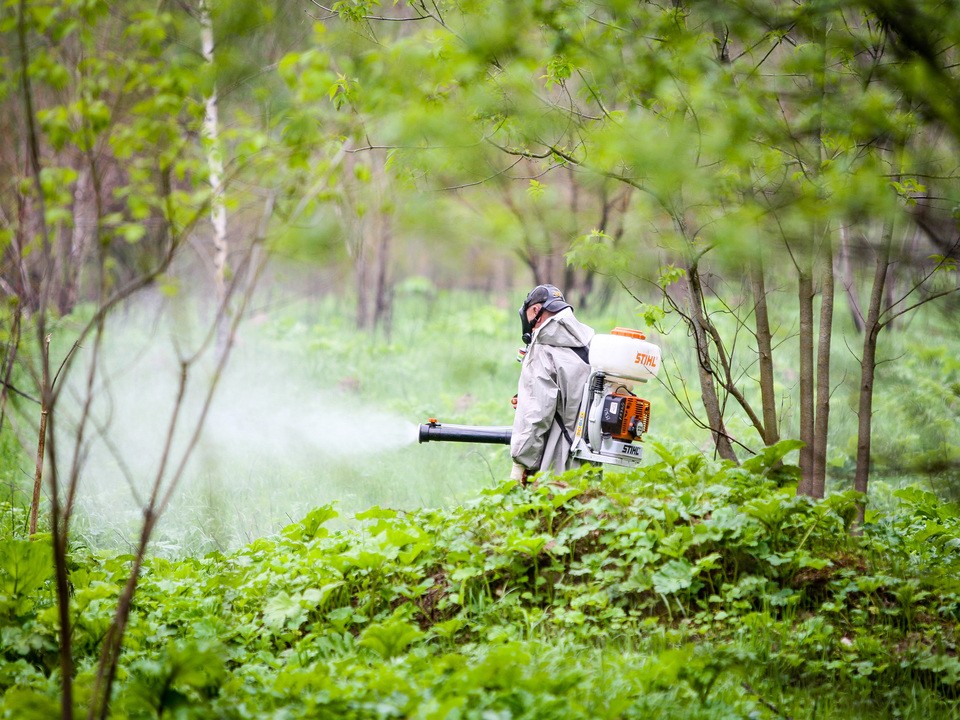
549	298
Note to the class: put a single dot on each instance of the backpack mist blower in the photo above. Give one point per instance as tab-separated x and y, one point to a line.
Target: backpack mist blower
612	419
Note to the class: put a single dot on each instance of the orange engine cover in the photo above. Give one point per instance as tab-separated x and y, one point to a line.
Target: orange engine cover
634	418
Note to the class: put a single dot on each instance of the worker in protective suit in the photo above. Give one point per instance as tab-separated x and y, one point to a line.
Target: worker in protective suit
552	377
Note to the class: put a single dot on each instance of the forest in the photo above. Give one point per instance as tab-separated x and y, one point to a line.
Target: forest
250	246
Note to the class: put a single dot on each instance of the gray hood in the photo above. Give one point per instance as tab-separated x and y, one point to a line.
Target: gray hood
563	330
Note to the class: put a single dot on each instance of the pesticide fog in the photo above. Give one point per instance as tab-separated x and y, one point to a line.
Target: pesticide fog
276	442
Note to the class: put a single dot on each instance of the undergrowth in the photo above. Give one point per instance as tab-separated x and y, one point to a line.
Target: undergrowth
685	589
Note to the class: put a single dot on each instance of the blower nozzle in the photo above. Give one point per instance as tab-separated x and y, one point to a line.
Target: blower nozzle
433	431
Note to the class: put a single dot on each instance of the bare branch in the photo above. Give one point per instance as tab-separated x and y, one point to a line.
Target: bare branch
916	286
497	174
160	495
914	306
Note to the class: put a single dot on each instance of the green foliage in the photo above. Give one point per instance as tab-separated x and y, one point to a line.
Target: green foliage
28	629
667	590
919	398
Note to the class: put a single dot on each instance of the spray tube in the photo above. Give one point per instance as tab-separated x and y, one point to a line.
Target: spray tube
434	431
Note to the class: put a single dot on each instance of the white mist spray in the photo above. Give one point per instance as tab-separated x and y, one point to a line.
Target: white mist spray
275	444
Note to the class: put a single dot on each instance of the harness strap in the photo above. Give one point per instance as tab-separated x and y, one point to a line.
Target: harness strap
563	428
583	352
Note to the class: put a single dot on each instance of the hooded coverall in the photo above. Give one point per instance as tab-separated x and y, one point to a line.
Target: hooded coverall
551	384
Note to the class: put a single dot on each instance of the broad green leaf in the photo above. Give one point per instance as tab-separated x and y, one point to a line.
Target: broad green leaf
24	566
390	638
674	576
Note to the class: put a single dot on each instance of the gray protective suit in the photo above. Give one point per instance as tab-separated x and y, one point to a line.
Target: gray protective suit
550	389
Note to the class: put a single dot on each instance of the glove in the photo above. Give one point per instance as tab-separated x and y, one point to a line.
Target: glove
520	473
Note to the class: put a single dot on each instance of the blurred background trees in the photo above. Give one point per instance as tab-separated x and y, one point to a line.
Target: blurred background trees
776	181
767	152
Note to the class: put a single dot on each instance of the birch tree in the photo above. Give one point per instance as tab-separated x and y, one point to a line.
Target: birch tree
211	125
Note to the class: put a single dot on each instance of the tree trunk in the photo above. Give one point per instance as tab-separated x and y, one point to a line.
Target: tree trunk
41	440
868	367
74	249
13	347
890	291
383	297
361	275
845	271
808	387
708	390
65	650
60	539
32	208
218	211
822	411
768	398
805	296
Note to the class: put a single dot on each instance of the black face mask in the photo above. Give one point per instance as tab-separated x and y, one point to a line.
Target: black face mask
528	325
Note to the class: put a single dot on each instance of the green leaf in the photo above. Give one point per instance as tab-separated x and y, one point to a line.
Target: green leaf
132	232
311	526
670	274
559	69
674	576
770	456
377	513
24	566
664	453
391	638
535	189
651	314
283	610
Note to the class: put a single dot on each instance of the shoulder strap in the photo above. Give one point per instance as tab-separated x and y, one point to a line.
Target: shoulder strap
563	429
583	352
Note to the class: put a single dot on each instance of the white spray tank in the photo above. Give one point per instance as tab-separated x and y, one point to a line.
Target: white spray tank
612	417
625	355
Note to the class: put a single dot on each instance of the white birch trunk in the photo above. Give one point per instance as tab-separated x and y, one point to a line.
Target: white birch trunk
211	124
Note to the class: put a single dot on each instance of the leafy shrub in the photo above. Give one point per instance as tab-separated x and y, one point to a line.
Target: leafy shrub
683	589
